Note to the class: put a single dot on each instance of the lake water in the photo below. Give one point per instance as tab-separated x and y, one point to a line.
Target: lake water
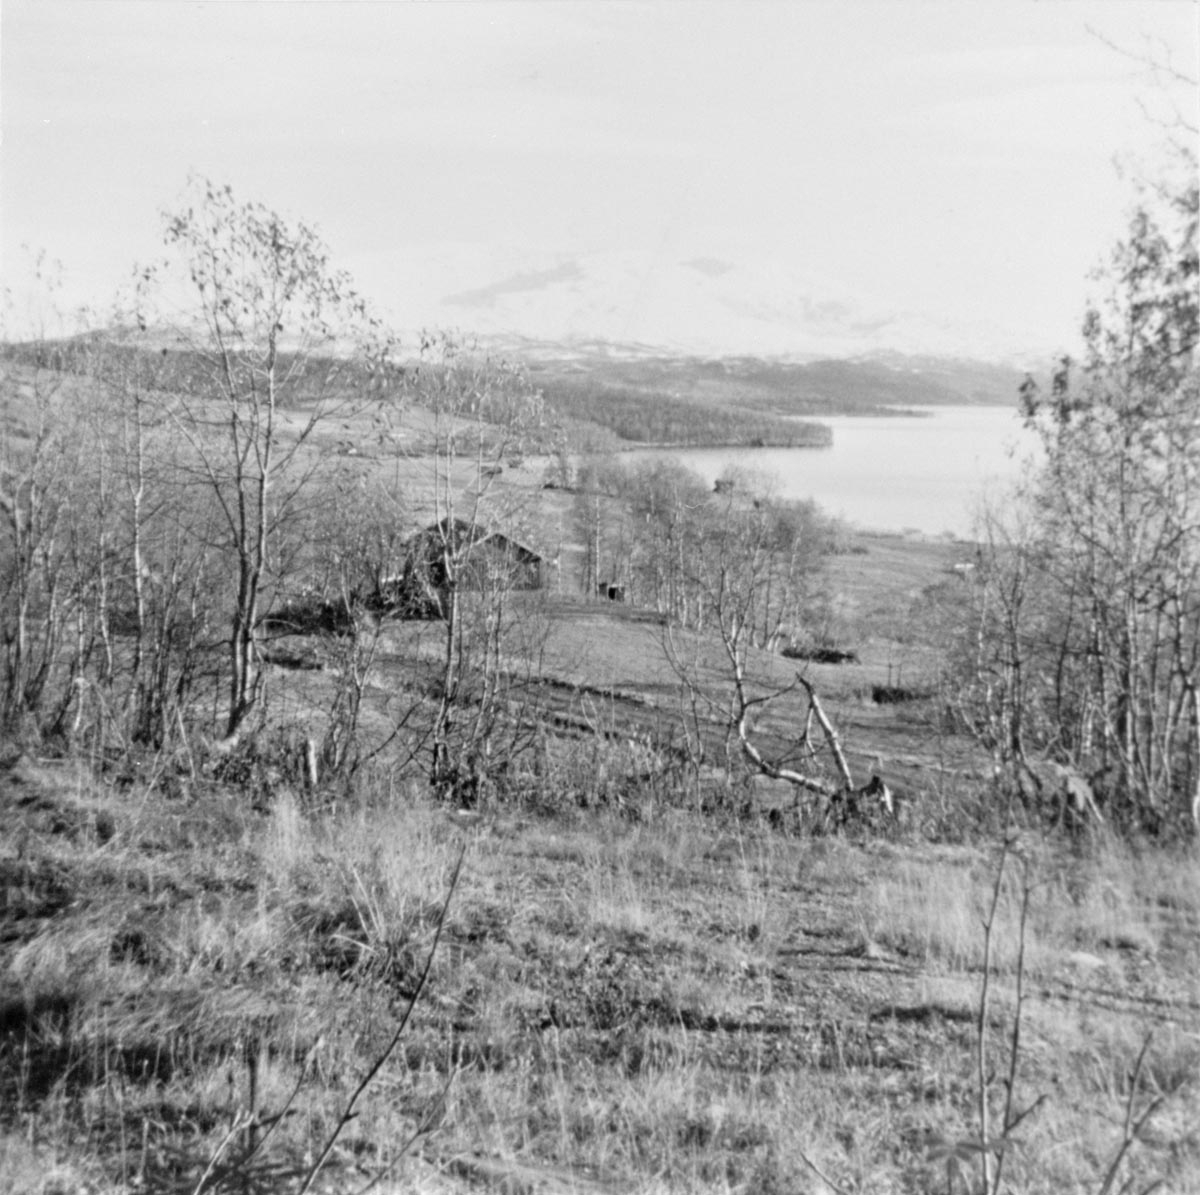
892	473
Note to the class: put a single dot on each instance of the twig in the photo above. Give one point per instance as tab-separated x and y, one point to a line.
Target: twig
1022	1116
428	1124
1014	1049
183	738
821	1173
348	1111
240	1121
985	1157
271	1123
1133	1127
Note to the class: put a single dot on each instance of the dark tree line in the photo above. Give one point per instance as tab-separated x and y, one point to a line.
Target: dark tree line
644	416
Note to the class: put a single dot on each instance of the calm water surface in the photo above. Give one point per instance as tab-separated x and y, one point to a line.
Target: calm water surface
892	473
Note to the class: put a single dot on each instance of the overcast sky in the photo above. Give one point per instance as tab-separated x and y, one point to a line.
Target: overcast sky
492	160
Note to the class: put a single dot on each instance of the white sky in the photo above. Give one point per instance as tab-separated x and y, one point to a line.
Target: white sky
951	160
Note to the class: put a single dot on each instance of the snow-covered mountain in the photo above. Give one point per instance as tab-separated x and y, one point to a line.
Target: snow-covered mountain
699	305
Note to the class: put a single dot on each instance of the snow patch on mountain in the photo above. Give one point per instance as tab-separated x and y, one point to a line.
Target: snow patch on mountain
700	305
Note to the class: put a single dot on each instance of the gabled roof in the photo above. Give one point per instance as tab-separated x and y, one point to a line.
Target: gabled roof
461	531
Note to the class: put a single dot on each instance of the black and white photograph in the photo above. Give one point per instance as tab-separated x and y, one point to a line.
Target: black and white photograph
599	597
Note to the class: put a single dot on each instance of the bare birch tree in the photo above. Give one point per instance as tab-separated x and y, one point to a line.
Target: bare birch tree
278	339
1091	620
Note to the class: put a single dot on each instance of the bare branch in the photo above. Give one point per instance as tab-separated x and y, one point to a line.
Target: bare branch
348	1113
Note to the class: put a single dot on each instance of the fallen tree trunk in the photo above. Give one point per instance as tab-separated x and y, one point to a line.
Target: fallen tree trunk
831	737
847	794
844	797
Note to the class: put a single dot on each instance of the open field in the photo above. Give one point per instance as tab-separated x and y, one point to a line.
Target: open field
604	667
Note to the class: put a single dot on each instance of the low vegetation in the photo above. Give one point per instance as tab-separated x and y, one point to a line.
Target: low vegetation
400	798
673	1001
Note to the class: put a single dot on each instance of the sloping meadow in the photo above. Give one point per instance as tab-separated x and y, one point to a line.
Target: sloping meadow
194	988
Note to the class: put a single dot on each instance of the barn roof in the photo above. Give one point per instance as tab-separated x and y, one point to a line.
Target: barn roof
464	531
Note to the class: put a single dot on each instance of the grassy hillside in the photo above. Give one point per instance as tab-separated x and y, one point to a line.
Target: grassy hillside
655	972
627	999
629	993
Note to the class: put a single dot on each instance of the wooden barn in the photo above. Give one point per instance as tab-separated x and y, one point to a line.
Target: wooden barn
483	560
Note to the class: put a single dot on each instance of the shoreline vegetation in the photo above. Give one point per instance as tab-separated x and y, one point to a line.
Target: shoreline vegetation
742	403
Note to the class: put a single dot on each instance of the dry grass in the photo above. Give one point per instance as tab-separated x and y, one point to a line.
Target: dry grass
670	1003
628	996
1108	900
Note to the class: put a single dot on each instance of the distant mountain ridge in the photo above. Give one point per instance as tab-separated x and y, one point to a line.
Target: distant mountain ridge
635	302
